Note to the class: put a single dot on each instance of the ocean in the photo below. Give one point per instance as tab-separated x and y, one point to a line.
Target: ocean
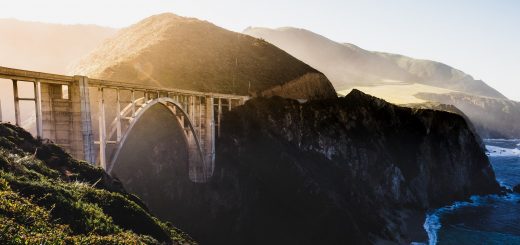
485	219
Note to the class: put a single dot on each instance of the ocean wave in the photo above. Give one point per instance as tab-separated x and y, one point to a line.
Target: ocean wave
495	151
433	224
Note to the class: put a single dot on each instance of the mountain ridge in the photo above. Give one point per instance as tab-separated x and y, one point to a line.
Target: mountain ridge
399	79
393	66
187	53
47	47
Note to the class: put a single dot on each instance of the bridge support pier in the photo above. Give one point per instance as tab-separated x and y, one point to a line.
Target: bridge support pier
80	97
63	116
209	140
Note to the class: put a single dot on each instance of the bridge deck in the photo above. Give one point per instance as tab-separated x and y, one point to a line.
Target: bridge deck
66	115
33	76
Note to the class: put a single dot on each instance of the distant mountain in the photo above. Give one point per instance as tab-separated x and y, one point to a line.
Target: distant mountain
348	66
47	47
172	51
43	47
497	118
397	78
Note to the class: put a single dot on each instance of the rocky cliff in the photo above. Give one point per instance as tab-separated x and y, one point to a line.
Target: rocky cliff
492	117
186	53
352	170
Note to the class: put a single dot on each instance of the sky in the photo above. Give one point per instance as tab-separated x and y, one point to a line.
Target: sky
479	37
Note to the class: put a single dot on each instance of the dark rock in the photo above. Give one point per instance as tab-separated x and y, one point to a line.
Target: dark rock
353	170
516	189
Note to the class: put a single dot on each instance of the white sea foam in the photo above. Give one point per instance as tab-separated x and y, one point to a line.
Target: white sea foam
499	151
432	224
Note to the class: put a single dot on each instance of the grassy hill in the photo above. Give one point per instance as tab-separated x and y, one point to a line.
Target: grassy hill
172	51
46	197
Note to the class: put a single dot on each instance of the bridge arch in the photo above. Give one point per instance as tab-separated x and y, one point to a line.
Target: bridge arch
199	169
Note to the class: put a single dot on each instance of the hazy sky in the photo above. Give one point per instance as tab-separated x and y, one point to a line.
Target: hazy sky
479	37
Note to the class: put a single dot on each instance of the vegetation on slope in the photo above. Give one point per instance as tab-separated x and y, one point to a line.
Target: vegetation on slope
48	197
187	53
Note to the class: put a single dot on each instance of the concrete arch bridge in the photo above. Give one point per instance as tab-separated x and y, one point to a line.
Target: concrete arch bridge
92	119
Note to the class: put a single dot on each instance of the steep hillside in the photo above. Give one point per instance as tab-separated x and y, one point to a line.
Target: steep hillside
399	79
186	53
46	197
349	66
494	118
351	170
47	47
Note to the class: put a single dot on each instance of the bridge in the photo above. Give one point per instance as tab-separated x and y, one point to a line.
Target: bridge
92	118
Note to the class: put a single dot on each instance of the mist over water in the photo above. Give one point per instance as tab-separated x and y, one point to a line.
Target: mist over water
484	220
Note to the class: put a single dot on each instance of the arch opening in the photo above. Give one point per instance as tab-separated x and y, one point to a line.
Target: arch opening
157	122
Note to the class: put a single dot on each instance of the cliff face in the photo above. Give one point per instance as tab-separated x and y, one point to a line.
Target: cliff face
492	117
352	170
48	197
186	53
348	164
399	79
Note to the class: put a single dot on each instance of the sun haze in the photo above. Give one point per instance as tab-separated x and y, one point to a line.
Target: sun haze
478	37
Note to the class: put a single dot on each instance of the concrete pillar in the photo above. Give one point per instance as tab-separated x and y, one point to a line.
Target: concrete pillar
58	117
48	125
102	130
86	120
16	104
38	109
199	121
209	139
81	135
133	103
219	115
191	101
118	116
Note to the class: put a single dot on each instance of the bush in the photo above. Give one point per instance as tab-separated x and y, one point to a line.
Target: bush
47	197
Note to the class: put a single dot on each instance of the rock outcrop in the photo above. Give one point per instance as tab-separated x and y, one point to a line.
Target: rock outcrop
353	170
517	188
186	53
492	117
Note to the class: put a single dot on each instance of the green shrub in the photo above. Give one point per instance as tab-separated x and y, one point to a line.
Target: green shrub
47	197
